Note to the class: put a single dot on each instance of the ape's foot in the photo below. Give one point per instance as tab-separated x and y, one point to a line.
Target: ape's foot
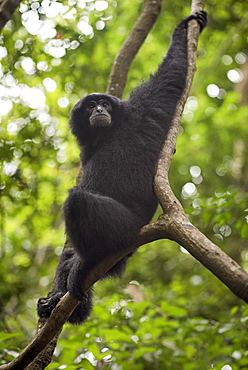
46	305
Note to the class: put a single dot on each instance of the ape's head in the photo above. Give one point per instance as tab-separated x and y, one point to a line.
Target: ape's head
95	110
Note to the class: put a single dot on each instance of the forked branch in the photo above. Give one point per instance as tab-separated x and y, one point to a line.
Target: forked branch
175	222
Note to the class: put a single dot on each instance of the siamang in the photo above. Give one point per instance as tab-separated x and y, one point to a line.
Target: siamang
120	142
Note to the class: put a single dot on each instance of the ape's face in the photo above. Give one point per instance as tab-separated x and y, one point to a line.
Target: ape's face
99	112
95	110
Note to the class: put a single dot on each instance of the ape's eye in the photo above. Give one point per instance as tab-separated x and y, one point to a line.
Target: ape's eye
91	105
105	104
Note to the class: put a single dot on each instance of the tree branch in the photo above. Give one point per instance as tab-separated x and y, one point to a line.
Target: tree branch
7	8
175	220
130	47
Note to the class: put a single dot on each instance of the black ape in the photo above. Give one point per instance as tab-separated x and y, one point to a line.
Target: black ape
120	143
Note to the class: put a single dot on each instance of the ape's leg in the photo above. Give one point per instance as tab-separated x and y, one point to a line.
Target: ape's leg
46	305
98	225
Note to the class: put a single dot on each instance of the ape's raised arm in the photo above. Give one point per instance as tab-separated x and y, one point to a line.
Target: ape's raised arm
160	94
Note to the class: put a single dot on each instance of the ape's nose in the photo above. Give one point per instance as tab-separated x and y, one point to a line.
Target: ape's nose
99	109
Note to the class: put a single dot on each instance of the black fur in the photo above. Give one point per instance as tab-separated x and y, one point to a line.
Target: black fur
115	197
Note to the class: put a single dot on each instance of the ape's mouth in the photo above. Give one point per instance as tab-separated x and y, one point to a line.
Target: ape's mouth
100	120
101	114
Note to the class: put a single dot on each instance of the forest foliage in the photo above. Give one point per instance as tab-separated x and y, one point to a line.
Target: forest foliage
167	309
